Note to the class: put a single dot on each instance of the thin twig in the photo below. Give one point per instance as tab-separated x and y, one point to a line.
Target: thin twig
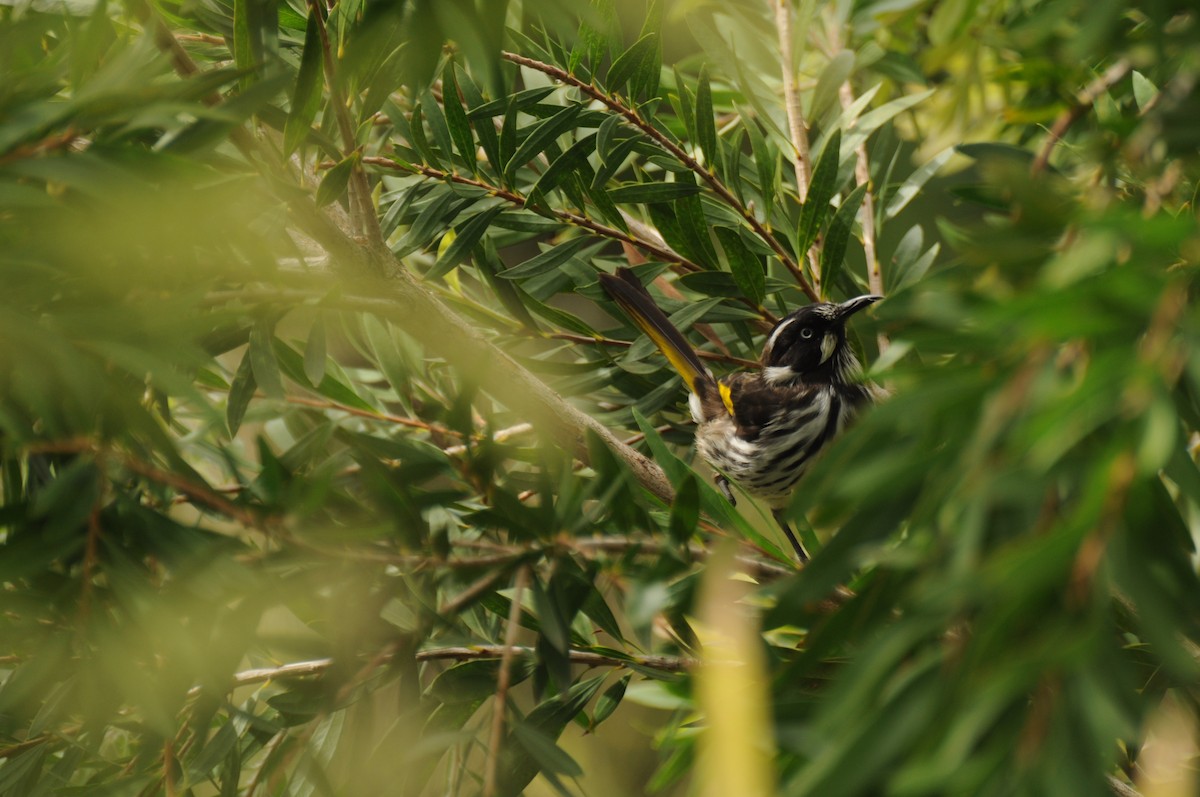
720	189
499	436
503	680
482	585
318	667
574	219
663	253
1083	103
374	415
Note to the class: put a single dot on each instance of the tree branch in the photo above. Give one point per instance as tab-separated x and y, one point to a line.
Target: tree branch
1083	103
791	100
714	183
318	667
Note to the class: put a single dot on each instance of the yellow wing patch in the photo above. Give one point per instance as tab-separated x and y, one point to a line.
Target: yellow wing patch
726	396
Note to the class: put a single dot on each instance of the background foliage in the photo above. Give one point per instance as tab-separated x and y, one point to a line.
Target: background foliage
311	410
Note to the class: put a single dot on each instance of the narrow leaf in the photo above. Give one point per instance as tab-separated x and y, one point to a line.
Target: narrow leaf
706	126
542	136
838	236
651	192
629	62
262	360
307	92
550	259
916	181
240	393
314	352
456	117
334	183
466	236
575	156
437	124
820	191
747	271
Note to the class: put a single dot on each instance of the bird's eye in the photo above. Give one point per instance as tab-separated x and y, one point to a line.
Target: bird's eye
806	333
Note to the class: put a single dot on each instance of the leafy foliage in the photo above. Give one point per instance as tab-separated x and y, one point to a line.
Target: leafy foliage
301	310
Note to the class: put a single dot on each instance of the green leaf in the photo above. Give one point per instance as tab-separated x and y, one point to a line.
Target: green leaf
435	213
630	63
685	511
838	236
607	703
706	125
438	125
550	259
456	117
631	193
1143	90
514	102
314	352
542	137
766	163
830	82
915	182
746	268
335	181
240	393
307	92
420	143
820	191
291	362
549	756
243	49
466	237
262	359
571	160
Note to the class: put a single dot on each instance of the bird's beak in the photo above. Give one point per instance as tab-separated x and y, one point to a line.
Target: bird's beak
852	306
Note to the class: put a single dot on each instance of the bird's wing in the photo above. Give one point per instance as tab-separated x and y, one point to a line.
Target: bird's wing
754	403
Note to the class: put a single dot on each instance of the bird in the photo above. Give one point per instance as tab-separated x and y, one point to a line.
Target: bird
762	427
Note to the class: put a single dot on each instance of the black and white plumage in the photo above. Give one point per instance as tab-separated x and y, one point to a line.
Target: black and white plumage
762	428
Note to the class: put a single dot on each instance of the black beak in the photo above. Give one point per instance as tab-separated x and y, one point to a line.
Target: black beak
852	306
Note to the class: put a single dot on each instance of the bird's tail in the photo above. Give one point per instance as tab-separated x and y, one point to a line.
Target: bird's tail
631	296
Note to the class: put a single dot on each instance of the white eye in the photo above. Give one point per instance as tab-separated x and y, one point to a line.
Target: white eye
806	333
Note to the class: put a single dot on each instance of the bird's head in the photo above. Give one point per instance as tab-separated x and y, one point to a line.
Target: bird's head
810	343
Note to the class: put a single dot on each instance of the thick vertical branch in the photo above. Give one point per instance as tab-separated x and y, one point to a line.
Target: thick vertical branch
797	128
866	214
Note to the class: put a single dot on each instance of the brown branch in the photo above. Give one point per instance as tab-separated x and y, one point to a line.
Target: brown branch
503	681
413	307
197	492
791	100
574	219
374	415
318	667
202	38
676	151
663	253
1083	103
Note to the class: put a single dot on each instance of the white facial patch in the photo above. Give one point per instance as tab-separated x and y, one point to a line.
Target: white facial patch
828	346
774	374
